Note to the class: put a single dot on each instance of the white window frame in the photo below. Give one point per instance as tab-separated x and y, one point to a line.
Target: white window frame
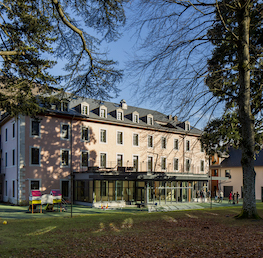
149	120
61	164
106	136
61	127
117	137
149	135
31	128
152	159
162	159
14	188
176	140
163	142
133	156
85	109
135	117
84	127
177	164
104	114
39	156
34	179
133	135
122	159
81	159
106	156
119	115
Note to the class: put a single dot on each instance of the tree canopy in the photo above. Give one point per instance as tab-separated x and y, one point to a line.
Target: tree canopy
36	33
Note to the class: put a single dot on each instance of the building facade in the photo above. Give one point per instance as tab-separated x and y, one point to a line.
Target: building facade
230	173
98	151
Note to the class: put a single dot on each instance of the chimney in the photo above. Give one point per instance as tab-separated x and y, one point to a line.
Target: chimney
175	118
123	104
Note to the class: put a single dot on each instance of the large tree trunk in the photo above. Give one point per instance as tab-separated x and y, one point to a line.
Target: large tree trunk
245	115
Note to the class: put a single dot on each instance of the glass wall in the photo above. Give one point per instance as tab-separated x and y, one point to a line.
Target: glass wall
137	191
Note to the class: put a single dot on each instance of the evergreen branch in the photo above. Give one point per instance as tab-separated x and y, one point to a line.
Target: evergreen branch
224	24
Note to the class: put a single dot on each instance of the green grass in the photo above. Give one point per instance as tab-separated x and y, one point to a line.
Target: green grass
138	234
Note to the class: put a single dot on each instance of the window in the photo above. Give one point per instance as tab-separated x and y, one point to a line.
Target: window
84	133
120	160
119	137
14	130
103	136
6	134
163	163
227	173
150	141
187	127
150	164
35	155
64	158
103	160
64	106
163	142
85	110
187	147
176	164
14	188
119	115
34	185
6	159
202	166
35	128
84	159
65	131
135	162
188	165
135	139
149	120
14	157
135	118
103	112
176	144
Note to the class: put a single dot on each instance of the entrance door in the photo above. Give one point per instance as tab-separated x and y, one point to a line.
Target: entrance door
227	190
140	192
65	189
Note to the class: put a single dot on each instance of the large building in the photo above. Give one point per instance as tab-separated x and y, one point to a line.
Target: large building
101	151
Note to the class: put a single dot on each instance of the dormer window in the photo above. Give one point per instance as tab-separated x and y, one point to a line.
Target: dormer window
103	112
187	126
84	109
64	106
135	117
150	120
119	115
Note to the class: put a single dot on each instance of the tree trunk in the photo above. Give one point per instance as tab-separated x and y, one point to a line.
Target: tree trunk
245	115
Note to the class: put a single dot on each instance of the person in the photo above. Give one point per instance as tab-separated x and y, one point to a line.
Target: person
209	195
237	196
234	198
221	196
230	197
204	195
197	195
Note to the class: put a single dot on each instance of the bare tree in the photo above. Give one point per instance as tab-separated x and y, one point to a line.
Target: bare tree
197	55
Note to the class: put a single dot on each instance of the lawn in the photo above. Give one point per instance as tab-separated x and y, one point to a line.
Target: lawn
192	233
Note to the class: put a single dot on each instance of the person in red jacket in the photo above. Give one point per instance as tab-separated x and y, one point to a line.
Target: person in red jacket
230	197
